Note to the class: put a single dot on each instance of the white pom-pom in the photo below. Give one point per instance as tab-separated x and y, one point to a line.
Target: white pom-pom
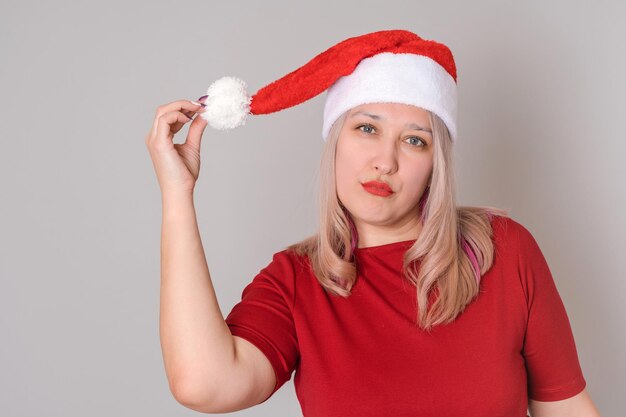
227	104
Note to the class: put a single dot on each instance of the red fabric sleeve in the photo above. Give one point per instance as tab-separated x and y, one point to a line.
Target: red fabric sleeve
552	364
264	316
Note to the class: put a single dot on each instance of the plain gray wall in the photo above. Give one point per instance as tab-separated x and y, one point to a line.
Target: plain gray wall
541	111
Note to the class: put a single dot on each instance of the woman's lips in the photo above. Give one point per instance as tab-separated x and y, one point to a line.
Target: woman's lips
377	188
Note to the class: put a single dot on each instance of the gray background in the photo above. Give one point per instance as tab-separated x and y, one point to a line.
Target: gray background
541	112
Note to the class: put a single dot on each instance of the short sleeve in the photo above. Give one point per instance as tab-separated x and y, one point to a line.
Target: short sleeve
264	316
552	364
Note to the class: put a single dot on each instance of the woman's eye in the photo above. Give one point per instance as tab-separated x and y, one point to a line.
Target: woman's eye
366	127
418	141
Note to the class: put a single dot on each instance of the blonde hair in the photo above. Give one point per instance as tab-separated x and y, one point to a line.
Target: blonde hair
454	247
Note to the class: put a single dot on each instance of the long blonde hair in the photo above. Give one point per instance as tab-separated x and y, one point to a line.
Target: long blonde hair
454	247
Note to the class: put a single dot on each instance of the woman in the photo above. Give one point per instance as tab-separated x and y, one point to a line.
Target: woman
402	303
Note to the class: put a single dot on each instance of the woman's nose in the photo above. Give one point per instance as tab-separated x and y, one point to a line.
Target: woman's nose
383	168
386	160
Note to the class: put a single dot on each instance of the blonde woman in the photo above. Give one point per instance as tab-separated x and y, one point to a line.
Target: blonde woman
402	303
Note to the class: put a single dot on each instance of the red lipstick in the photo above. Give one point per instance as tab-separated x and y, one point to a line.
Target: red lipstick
377	188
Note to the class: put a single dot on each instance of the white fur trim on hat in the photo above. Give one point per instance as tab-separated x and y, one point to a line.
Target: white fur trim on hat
395	78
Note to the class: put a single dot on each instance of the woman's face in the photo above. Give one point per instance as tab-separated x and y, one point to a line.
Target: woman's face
390	143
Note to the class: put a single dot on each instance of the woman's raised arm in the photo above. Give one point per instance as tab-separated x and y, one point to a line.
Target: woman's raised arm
204	369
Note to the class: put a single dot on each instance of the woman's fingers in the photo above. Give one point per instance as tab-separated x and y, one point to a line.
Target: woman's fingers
166	126
177	165
181	106
191	113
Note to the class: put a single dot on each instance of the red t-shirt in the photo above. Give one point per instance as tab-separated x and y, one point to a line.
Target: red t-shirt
364	356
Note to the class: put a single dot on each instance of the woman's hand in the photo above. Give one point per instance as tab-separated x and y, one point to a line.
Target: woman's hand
177	165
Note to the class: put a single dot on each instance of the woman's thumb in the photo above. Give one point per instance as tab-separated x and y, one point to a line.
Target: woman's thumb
196	128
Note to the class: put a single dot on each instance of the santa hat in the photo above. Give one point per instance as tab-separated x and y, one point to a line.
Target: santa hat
389	66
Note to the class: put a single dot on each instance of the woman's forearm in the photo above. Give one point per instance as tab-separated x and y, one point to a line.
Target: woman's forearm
196	343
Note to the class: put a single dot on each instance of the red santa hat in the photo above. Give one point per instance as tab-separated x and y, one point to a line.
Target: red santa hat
389	66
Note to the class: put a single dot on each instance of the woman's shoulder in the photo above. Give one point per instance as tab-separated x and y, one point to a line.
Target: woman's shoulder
507	227
509	232
287	263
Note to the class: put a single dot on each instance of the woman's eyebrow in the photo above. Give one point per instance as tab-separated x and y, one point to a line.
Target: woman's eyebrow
413	126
